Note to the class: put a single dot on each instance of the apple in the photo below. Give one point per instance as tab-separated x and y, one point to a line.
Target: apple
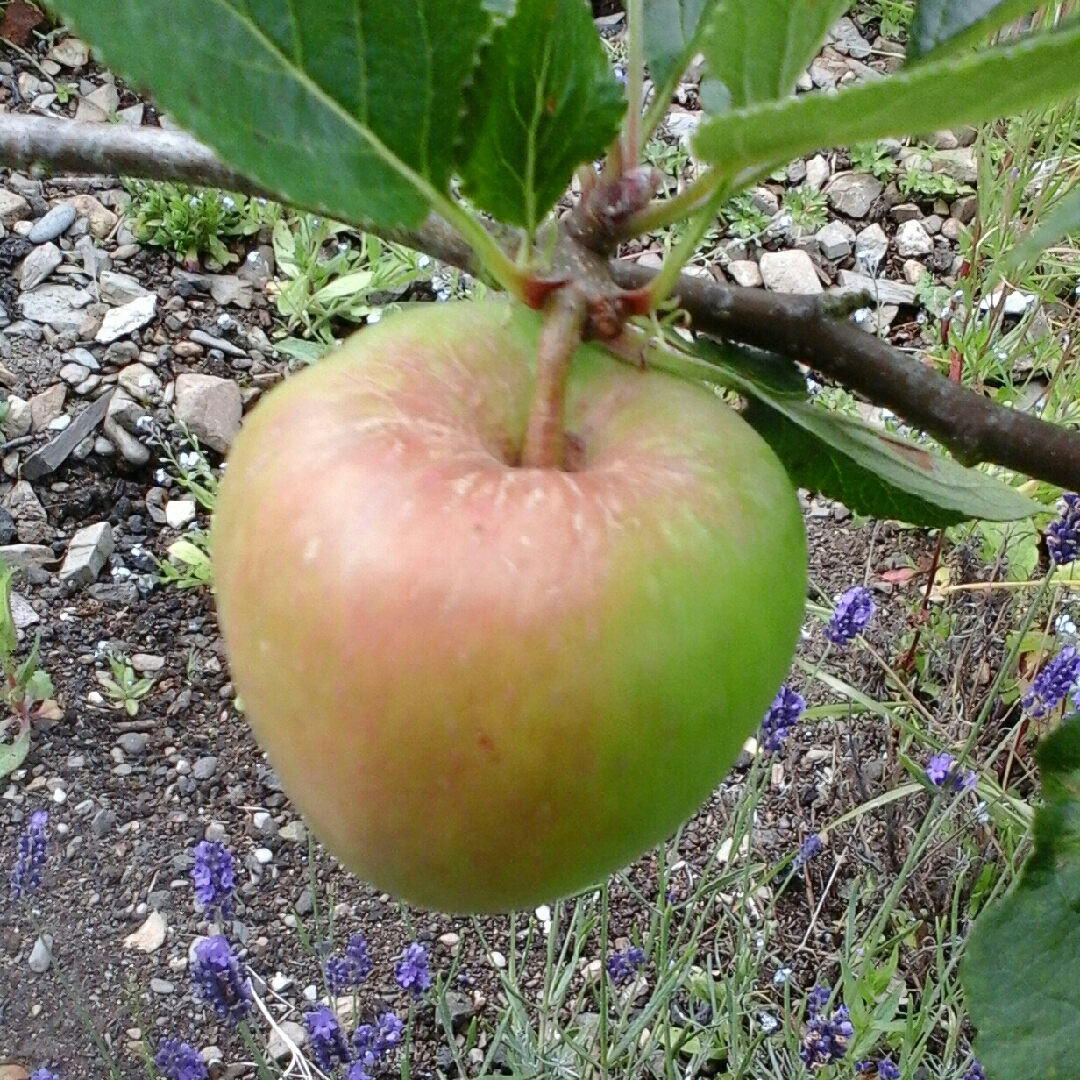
487	686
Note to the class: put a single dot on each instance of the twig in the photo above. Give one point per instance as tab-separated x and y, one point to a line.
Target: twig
973	427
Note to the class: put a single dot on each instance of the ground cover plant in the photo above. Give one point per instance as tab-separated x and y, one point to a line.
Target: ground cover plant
484	648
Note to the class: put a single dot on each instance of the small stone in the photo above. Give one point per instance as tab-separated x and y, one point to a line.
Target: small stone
71	53
50	457
74	374
123	593
131	449
853	194
263	856
204	768
881	290
287	1031
22	614
295	832
104	821
117	289
960	164
789	272
179	512
55	223
161	986
58	306
18	420
147	663
132	115
38	265
47	406
871	246
121	321
133	743
41	954
913	270
87	553
230	289
140	382
745	272
150	936
964	208
215	832
200	337
932	224
102	220
952	228
847	39
210	407
98	106
12	208
817	173
912	240
27	556
7	526
835	240
31	521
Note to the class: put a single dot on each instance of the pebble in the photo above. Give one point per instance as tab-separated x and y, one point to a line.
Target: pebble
41	954
179	512
13	208
161	986
147	663
263	856
87	553
204	768
201	338
295	832
18	420
215	832
38	265
277	1049
913	270
912	240
817	173
119	289
871	246
58	306
210	407
121	321
55	223
71	53
150	936
789	272
133	743
852	194
103	823
745	272
835	240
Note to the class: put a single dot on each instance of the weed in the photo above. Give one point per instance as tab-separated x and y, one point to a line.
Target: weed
123	686
188	222
188	565
743	217
329	280
872	158
894	15
807	207
929	185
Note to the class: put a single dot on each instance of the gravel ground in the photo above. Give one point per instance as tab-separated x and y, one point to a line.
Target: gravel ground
130	796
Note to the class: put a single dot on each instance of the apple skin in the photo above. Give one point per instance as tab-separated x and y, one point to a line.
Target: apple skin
486	687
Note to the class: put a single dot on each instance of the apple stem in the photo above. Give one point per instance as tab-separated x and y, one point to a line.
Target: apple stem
545	438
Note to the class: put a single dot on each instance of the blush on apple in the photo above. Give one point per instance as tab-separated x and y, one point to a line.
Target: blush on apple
487	686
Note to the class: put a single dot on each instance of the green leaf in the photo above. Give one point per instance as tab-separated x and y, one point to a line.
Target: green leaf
933	96
1021	973
38	687
671	32
543	100
870	471
13	754
1063	221
941	26
9	639
756	50
348	107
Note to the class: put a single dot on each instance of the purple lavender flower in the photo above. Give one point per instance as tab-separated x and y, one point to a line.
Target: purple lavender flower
827	1038
178	1061
218	979
807	850
623	966
411	971
974	1072
326	1042
943	771
213	878
344	973
884	1069
358	1072
852	613
30	854
43	1074
1057	679
374	1042
781	717
1063	535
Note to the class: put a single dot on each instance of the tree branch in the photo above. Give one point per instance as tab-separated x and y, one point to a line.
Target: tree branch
974	428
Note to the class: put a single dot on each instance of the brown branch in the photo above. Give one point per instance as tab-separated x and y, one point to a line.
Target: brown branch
973	427
803	328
